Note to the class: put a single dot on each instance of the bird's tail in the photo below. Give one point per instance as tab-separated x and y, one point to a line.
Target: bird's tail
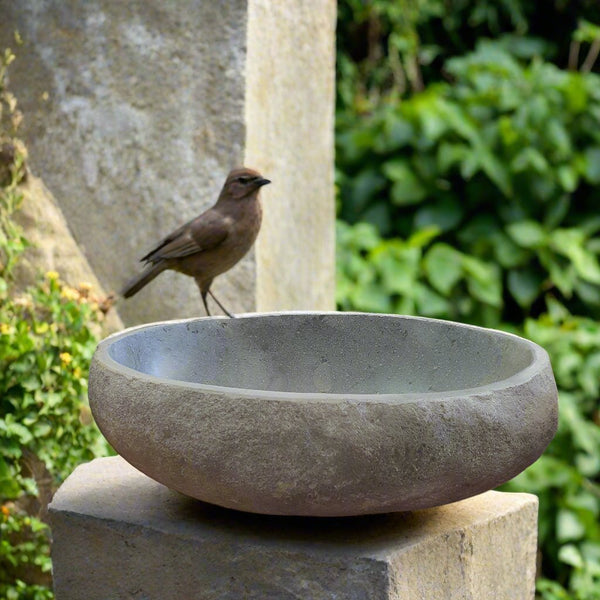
136	283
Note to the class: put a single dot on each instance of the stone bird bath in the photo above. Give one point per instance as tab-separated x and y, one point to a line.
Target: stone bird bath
324	414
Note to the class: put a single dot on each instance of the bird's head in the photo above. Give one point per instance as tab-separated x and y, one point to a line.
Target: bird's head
241	183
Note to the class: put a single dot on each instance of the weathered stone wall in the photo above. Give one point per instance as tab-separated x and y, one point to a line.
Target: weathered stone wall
135	111
52	247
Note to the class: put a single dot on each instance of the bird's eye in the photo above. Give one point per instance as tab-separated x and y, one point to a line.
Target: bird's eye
244	179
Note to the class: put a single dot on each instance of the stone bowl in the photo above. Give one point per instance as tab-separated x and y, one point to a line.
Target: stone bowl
324	414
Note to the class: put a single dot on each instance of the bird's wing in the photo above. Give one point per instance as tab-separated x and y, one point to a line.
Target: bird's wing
203	233
154	254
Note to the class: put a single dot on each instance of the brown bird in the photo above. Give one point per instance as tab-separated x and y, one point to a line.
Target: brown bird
211	243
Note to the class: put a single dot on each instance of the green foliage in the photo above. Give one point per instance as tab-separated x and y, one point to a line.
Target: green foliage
503	162
469	191
47	337
567	477
387	48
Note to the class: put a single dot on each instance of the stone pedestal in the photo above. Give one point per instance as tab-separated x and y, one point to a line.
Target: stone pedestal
136	110
120	535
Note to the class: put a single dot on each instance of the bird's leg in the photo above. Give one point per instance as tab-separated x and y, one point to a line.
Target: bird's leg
203	294
220	305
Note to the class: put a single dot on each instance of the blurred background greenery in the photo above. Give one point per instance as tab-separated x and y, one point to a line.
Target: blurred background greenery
468	166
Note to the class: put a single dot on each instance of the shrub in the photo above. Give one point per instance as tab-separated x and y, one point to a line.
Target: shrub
47	337
504	165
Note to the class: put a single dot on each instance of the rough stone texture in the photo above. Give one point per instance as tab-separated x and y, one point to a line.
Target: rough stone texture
119	535
150	103
346	414
52	246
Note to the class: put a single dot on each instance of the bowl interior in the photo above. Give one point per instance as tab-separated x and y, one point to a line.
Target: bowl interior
342	353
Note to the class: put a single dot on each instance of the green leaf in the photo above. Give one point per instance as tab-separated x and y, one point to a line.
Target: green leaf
398	133
528	234
398	266
422	237
570	243
449	155
445	214
570	555
406	187
371	298
362	189
524	285
17	430
559	137
9	487
31	383
483	281
429	304
509	255
592	164
568	177
588	292
495	170
557	211
443	266
564	278
459	120
530	159
568	526
586	31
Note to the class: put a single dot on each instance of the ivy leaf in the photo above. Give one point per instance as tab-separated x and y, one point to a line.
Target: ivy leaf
398	266
592	164
524	285
429	303
528	234
371	298
568	526
508	253
570	243
406	187
568	177
483	281
443	265
495	170
570	555
445	214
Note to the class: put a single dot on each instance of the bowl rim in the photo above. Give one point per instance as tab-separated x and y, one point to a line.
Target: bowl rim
540	362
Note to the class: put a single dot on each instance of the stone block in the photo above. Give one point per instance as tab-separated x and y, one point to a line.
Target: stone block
135	111
120	535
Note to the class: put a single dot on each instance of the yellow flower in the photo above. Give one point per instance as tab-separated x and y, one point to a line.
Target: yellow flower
51	275
69	293
5	328
77	372
5	510
85	286
65	357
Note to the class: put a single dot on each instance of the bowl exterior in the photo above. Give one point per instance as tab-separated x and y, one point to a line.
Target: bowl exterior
323	456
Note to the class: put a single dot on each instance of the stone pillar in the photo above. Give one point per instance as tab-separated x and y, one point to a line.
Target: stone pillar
118	534
135	111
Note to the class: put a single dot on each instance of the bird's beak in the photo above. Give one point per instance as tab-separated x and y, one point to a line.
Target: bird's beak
261	182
